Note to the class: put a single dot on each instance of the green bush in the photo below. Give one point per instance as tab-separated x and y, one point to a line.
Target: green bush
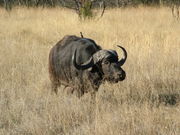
85	10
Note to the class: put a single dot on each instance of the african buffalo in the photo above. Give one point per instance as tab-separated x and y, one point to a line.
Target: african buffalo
82	65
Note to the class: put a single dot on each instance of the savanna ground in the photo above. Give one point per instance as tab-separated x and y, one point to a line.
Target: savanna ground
146	103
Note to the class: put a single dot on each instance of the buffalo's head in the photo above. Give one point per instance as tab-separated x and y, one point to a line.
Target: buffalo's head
107	63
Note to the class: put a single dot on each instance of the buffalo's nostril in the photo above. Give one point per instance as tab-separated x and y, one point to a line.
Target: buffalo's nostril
122	76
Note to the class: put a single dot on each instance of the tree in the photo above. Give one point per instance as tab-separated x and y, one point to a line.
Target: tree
84	8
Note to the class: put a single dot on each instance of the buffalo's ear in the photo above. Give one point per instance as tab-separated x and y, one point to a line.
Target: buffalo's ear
93	69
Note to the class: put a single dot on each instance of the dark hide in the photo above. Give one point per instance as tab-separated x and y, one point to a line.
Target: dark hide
63	72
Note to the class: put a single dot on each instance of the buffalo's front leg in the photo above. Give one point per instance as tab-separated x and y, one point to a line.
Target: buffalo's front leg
78	92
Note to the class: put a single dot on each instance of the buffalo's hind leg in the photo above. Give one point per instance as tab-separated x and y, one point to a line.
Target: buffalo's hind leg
54	87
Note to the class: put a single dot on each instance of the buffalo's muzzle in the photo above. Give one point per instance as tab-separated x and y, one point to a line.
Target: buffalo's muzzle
121	75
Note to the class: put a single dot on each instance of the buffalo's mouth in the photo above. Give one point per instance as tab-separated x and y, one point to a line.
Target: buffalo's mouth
116	80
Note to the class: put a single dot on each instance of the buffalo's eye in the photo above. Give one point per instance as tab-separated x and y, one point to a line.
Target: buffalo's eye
106	62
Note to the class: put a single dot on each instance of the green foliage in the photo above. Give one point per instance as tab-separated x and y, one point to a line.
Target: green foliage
147	2
7	5
85	10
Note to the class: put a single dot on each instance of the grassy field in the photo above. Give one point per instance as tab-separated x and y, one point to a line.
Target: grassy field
146	103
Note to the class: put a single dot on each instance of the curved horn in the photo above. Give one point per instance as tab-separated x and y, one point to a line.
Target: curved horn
83	66
123	60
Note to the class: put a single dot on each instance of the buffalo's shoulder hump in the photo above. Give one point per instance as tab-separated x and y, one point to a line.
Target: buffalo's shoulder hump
67	39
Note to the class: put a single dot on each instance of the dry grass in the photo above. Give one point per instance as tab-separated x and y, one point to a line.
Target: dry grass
151	37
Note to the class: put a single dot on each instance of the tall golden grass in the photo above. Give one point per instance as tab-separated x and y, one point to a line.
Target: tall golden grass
132	107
